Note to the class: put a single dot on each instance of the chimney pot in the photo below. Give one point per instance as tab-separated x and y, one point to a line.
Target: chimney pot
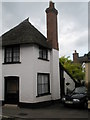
51	4
75	51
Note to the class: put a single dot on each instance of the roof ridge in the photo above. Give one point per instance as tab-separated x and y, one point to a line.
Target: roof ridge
26	20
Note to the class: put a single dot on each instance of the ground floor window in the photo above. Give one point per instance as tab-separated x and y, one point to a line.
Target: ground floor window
43	84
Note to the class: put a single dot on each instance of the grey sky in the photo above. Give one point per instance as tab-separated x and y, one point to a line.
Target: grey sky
72	22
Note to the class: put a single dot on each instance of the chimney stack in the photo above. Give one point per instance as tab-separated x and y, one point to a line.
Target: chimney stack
75	57
52	31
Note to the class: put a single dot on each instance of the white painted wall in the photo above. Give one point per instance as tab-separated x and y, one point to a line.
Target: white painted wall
0	74
55	77
0	56
40	66
68	79
27	72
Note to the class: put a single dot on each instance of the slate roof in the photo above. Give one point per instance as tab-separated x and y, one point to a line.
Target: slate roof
24	33
85	58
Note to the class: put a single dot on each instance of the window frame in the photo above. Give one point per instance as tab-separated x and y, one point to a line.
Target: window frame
12	54
47	93
42	53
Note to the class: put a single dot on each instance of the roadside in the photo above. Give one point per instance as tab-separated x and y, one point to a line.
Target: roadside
53	111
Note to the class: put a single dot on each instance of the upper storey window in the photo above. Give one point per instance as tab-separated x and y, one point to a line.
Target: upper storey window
12	54
43	53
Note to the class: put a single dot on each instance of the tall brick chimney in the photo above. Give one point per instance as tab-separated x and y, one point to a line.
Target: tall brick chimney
75	57
52	32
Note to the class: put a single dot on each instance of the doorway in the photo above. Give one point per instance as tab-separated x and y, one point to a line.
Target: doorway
12	90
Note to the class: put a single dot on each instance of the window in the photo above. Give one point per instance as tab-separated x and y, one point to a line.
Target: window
12	54
43	84
43	53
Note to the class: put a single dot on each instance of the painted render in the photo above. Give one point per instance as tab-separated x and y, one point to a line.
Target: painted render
27	72
55	74
0	73
68	79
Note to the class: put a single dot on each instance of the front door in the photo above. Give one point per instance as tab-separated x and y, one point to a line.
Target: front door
11	90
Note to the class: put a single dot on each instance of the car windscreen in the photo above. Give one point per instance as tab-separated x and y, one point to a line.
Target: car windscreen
80	90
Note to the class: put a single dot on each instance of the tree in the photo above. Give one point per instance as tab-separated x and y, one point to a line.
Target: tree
75	69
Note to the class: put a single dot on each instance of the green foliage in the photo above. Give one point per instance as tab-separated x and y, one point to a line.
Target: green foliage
75	69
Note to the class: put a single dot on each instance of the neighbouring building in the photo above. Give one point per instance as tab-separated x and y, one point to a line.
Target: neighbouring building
84	59
30	63
87	77
80	59
87	69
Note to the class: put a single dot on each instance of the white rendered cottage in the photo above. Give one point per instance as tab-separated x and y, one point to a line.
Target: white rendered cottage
30	69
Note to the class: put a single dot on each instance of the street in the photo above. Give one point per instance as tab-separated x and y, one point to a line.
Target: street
12	112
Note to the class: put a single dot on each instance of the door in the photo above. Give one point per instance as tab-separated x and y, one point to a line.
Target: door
11	90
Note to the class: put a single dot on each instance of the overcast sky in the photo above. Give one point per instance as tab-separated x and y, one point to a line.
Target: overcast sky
72	22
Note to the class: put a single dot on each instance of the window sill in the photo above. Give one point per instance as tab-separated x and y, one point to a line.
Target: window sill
45	94
12	63
43	59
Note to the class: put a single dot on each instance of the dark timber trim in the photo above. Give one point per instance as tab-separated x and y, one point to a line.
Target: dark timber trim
11	63
39	104
43	59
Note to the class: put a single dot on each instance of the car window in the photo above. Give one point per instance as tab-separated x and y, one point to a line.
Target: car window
80	90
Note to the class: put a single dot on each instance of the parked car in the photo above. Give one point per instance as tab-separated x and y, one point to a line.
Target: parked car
78	97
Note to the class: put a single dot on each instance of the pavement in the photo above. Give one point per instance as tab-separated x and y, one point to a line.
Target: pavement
13	112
